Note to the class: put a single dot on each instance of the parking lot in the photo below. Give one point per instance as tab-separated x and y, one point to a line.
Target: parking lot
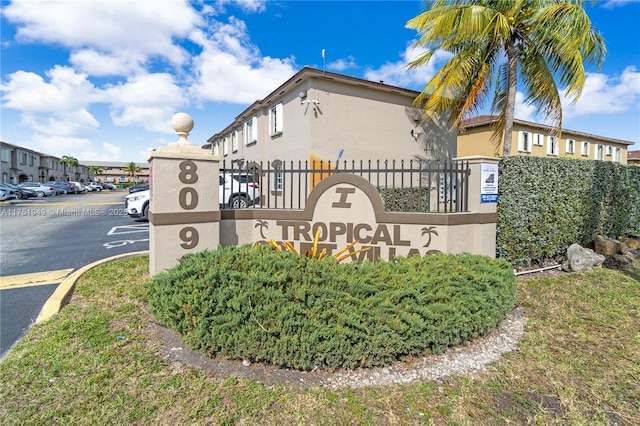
45	239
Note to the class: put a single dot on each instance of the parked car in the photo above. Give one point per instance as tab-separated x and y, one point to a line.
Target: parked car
40	189
60	188
238	190
136	204
93	186
109	186
140	187
235	191
16	192
68	185
5	194
78	187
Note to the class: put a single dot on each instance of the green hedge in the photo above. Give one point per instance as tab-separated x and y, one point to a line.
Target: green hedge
254	303
547	204
405	199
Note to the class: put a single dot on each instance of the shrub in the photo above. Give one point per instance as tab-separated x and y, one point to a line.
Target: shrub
547	204
254	303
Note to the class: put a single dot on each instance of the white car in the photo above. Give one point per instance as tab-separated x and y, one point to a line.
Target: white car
93	186
40	189
137	204
236	191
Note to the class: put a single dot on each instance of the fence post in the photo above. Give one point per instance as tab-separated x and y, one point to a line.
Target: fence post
184	211
483	200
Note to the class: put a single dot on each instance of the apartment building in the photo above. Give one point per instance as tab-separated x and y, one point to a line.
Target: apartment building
537	140
19	164
323	116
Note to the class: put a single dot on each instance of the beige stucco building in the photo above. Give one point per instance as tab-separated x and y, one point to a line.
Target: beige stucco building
19	164
316	114
537	140
115	172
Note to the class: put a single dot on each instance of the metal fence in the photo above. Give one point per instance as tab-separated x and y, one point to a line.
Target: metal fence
405	186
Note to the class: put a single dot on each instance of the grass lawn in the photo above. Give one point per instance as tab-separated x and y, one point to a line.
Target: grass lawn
95	363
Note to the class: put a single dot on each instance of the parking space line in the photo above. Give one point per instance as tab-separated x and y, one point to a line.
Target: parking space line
33	279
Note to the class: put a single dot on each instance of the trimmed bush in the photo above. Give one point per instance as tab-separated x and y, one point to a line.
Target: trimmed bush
547	204
254	303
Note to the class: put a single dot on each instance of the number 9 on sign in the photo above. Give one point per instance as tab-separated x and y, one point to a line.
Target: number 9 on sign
190	237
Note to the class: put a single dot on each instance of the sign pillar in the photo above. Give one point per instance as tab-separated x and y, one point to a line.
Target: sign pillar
184	213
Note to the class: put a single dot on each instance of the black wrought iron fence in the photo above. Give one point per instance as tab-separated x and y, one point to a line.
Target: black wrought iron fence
405	186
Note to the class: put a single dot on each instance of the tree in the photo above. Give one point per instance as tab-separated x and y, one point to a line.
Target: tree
501	43
131	170
96	170
68	161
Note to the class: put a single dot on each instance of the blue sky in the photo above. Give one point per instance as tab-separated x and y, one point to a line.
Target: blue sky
100	80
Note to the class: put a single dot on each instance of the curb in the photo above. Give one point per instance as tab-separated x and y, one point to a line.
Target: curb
59	297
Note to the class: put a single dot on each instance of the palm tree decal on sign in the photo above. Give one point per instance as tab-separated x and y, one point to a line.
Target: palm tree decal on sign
429	230
262	224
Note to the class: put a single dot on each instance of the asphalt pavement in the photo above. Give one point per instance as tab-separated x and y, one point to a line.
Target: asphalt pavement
44	240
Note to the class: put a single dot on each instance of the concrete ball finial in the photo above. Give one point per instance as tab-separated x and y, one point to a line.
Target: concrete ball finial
182	123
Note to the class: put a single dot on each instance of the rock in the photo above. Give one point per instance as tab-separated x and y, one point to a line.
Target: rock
632	243
581	259
620	261
607	246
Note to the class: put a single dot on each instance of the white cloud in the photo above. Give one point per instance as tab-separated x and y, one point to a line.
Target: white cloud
398	74
57	107
108	152
342	64
248	6
148	101
118	29
66	90
523	111
604	94
611	4
58	145
231	69
100	64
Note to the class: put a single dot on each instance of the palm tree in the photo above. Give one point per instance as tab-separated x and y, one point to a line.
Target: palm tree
68	161
131	170
532	42
96	170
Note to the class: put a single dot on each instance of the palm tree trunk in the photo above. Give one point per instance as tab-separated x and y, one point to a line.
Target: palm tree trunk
511	98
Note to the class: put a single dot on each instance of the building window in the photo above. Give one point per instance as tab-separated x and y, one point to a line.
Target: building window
225	146
599	152
216	148
524	141
32	160
275	120
584	151
23	158
617	153
6	155
552	145
234	142
251	131
538	139
123	178
571	146
609	150
5	177
278	176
